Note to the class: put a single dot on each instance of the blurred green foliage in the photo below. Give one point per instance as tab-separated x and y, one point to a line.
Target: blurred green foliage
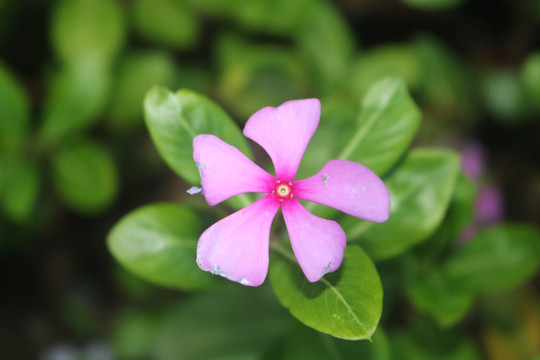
75	156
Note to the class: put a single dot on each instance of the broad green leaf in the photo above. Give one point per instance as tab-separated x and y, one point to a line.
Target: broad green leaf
77	95
166	22
387	123
234	323
83	29
433	4
14	112
496	259
304	343
137	72
530	77
174	119
346	304
460	214
327	44
420	191
255	76
396	60
19	186
85	177
433	294
159	243
337	118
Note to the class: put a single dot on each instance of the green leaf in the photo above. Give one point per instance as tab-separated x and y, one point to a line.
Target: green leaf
234	323
504	95
86	177
14	112
420	191
83	29
76	97
255	76
399	61
387	123
19	186
327	44
346	303
174	119
159	242
460	214
530	77
496	259
166	22
137	72
433	4
434	295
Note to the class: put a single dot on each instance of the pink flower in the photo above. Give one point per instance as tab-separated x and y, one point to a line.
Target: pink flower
237	247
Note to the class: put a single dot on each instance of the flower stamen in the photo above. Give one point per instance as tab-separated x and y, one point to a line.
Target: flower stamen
283	190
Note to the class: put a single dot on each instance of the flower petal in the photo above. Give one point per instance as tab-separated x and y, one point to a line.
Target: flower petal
284	132
349	187
318	244
237	246
225	171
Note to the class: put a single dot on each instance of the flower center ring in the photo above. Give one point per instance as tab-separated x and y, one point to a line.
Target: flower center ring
283	190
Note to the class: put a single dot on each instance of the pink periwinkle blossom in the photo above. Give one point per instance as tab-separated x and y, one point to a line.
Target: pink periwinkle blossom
237	247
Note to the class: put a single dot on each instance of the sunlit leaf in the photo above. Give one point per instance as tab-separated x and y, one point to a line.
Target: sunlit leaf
420	191
396	60
327	43
387	123
83	29
76	97
346	304
166	22
159	242
85	177
174	119
137	73
255	76
460	214
496	259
